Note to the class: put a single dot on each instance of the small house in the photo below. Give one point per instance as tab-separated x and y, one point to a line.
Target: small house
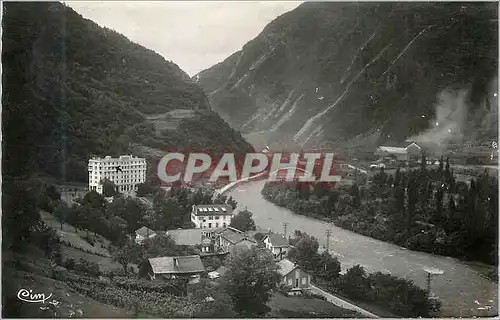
397	153
231	237
413	150
277	244
293	277
144	233
189	267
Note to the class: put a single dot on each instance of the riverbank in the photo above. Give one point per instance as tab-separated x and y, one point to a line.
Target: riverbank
377	229
462	290
422	218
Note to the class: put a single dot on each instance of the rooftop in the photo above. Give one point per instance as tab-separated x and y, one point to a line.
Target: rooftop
123	157
213	209
398	150
277	240
144	232
181	264
189	237
286	266
232	235
242	245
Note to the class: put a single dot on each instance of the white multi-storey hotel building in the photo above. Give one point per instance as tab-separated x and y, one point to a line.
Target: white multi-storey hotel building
126	172
212	215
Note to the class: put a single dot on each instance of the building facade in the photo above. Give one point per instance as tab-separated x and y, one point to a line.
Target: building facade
293	277
277	244
126	172
212	216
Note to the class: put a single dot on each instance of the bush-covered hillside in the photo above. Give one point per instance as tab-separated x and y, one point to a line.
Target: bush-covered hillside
72	89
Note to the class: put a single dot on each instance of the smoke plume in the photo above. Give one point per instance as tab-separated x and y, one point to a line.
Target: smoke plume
457	121
448	125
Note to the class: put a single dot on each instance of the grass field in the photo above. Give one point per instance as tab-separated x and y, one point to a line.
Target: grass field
301	307
70	235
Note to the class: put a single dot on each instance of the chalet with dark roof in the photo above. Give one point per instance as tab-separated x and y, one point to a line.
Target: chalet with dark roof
174	267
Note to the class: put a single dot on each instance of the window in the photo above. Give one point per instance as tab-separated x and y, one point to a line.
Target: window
296	282
210	225
304	281
290	281
216	224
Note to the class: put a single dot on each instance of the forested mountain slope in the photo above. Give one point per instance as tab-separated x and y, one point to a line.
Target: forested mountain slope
72	89
364	73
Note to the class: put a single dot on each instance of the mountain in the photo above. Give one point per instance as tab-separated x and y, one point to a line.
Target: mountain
72	89
359	74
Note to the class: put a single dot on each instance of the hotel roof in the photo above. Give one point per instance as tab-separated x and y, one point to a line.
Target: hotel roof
213	210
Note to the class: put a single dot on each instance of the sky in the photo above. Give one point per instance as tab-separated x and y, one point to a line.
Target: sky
193	34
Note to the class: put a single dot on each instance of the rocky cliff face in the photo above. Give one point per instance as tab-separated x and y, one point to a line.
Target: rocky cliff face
358	74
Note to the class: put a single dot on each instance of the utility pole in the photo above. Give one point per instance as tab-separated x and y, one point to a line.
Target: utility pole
285	224
431	272
328	234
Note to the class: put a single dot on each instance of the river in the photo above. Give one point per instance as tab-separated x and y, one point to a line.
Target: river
463	291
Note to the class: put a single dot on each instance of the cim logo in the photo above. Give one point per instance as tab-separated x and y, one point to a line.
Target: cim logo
309	167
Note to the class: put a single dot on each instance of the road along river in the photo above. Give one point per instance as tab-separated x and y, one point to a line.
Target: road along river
462	290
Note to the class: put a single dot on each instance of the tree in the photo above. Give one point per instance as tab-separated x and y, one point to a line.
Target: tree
169	214
94	199
441	167
243	221
211	301
439	203
329	267
251	278
356	198
451	205
211	263
163	245
48	240
447	172
354	283
423	163
397	177
128	209
109	188
61	212
19	214
232	202
128	253
305	252
53	193
399	199
145	189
